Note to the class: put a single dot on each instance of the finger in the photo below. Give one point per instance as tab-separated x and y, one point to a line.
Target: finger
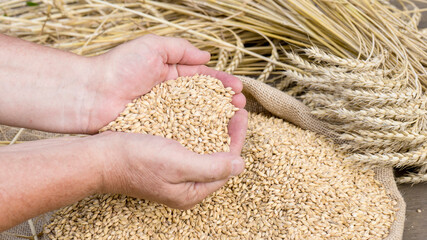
239	100
226	79
186	195
210	167
203	190
237	130
177	50
184	165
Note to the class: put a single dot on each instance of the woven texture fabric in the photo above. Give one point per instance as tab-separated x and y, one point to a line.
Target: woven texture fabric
23	231
8	133
260	98
264	98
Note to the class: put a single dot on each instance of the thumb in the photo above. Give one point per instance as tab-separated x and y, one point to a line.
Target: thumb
211	167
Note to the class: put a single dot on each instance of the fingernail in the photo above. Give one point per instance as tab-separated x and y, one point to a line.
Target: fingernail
237	166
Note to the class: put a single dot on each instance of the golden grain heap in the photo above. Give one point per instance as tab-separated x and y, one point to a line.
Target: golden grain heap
296	185
191	110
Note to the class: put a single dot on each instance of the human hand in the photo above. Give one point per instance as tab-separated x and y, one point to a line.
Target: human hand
134	68
56	91
66	170
151	167
162	170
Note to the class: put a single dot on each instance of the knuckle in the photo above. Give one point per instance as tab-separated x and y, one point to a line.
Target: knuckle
218	169
179	174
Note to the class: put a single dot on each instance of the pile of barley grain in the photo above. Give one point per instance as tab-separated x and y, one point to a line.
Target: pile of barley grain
191	110
296	186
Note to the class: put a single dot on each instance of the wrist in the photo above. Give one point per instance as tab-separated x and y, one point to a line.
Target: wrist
44	88
96	156
86	102
108	160
96	104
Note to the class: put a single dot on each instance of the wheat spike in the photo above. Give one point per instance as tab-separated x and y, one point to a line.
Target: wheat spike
344	80
222	60
311	82
358	121
316	100
310	67
269	68
238	56
348	63
295	91
390	140
409	113
415	157
371	80
369	98
413	178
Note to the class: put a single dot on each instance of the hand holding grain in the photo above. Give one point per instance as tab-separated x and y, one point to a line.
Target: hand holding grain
134	68
165	163
162	170
85	94
66	170
157	168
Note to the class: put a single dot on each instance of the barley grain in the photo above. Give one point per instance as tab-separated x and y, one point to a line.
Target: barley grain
191	110
296	185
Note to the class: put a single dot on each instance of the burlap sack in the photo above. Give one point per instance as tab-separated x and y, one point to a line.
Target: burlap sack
263	98
24	231
8	134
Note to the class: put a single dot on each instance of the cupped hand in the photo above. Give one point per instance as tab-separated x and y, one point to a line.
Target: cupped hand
152	167
134	68
162	170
